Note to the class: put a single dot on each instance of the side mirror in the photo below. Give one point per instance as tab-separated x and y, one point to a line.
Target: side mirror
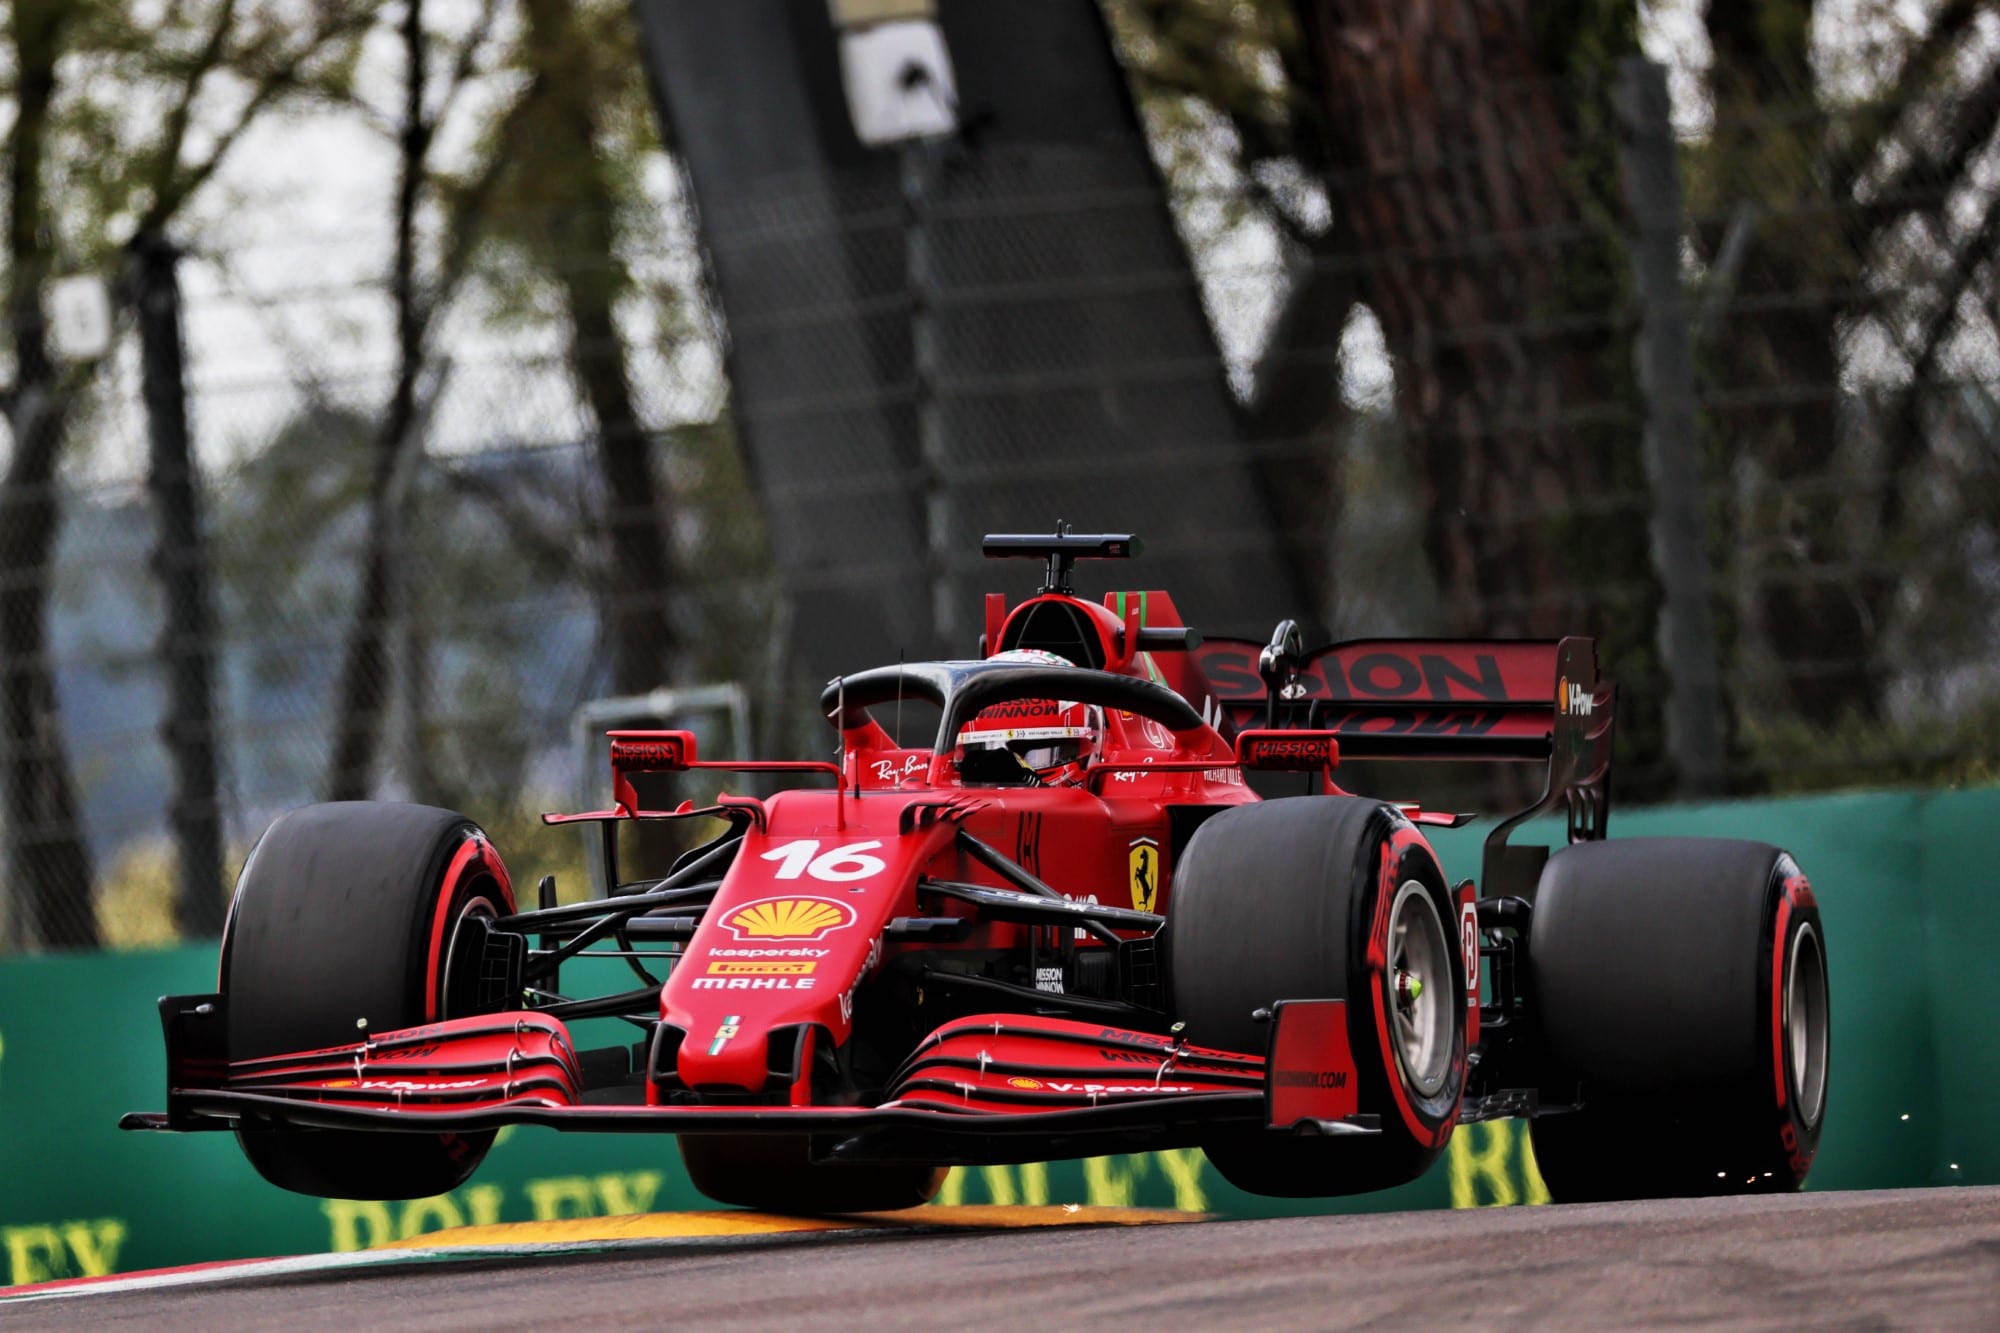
1268	751
646	752
1279	665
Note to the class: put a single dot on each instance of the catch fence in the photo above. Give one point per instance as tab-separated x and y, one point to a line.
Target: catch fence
1468	395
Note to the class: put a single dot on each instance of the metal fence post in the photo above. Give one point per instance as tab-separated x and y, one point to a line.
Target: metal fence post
180	563
922	163
1672	445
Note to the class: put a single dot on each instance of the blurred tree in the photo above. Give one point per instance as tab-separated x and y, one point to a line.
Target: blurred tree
569	187
277	530
1824	191
492	532
120	119
1224	91
421	285
186	645
1467	158
48	865
1471	152
573	186
552	172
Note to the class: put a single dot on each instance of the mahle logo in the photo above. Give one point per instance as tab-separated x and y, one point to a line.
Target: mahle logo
789	919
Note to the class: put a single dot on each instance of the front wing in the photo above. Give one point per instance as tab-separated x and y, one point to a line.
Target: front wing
986	1090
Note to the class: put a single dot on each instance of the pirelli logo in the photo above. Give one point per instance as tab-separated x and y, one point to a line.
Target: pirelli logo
774	968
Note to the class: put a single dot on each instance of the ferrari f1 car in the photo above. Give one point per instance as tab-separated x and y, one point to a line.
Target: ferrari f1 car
1063	925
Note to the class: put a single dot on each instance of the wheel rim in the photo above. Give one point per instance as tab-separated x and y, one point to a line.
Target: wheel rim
1806	1022
1419	985
452	981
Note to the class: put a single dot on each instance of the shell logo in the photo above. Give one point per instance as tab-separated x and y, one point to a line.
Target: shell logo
789	919
1024	1083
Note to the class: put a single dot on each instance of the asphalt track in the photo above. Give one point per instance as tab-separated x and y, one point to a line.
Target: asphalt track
1906	1258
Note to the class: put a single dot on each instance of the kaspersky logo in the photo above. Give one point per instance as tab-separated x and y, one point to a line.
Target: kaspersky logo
789	919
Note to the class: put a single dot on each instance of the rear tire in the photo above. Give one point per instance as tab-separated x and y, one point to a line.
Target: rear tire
1681	984
773	1173
345	912
1325	898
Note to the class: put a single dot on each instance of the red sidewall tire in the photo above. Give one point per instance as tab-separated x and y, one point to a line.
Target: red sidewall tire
1426	1121
342	913
1798	1084
1667	974
1290	900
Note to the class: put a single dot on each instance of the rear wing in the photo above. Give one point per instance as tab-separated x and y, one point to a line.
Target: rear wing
1412	698
1537	700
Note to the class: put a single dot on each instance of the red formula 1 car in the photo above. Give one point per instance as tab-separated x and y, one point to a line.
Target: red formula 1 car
1063	926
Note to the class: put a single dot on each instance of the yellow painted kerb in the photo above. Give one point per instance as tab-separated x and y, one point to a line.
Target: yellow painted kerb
732	1222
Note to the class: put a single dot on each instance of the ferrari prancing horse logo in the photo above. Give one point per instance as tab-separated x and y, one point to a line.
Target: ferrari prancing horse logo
1144	863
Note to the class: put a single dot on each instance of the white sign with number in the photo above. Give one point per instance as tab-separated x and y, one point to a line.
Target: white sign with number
839	865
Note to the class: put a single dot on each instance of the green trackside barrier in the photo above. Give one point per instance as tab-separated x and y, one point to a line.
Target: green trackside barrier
1902	879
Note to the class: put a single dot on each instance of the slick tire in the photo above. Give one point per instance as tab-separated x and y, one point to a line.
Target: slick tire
345	912
1325	897
1682	989
773	1173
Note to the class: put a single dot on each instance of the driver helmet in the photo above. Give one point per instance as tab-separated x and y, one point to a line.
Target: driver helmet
1050	738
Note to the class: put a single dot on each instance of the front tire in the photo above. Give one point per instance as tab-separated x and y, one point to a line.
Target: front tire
348	912
1324	897
1682	989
